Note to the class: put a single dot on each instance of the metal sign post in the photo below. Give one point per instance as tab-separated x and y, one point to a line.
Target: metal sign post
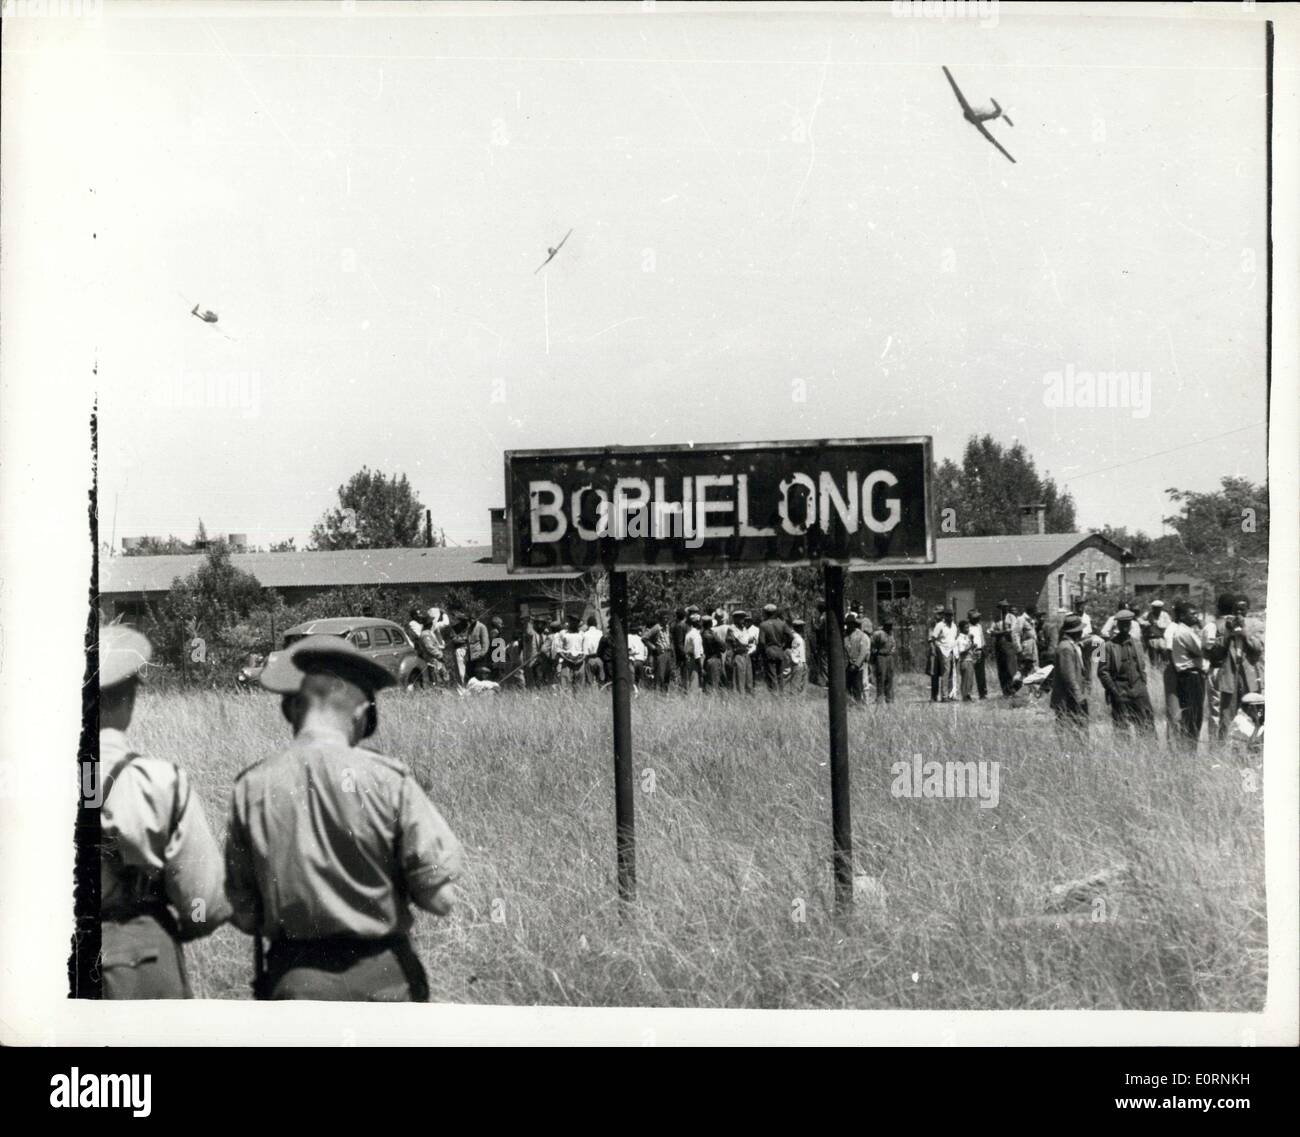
838	708
838	503
624	809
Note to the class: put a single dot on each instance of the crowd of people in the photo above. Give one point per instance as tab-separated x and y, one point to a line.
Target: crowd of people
1207	669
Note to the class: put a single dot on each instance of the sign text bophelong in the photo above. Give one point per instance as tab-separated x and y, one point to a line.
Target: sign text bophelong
837	501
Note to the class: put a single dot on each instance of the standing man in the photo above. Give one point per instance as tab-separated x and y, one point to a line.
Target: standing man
478	650
570	653
593	668
498	650
1004	646
694	648
1027	648
328	840
857	651
678	631
978	642
745	645
429	646
817	647
966	661
160	875
884	649
774	639
1122	673
943	658
1189	663
1069	693
1089	642
798	657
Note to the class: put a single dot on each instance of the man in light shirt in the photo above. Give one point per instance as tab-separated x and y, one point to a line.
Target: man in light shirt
798	657
746	644
1187	652
943	637
570	653
593	670
694	649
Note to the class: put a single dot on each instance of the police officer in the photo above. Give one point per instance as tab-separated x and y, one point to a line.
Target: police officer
328	841
161	880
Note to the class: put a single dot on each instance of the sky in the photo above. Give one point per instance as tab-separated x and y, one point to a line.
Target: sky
782	228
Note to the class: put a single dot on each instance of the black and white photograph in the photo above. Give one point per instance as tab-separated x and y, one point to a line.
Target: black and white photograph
622	522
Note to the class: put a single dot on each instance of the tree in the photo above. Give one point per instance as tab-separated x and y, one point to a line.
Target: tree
1139	543
200	607
1221	535
374	512
286	546
982	497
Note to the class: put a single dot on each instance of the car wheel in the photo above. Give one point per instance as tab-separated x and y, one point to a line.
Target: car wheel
416	681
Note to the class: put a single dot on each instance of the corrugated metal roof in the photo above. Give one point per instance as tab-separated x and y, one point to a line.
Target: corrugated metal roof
455	565
1037	550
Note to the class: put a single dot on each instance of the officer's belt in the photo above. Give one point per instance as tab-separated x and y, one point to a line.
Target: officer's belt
337	953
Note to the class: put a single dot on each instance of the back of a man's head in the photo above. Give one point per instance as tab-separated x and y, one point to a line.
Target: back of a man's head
325	695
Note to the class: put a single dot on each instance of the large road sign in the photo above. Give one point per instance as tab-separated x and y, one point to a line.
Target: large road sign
847	502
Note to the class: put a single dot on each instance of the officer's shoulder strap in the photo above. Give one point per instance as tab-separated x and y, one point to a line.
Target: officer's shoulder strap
110	779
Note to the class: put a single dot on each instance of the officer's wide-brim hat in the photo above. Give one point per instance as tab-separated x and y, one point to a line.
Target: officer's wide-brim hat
123	652
285	670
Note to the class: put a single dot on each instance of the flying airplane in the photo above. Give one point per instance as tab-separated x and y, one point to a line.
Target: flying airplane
977	119
550	254
206	316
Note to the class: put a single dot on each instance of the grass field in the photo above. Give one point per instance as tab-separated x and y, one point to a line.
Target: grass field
734	846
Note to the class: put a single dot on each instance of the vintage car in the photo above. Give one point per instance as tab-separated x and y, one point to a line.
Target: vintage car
382	640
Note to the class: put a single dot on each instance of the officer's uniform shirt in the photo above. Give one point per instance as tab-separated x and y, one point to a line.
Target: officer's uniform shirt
161	847
334	839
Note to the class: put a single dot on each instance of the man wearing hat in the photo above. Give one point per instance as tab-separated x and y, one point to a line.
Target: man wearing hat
817	647
884	650
1069	691
1005	635
328	841
1122	673
978	643
774	639
161	878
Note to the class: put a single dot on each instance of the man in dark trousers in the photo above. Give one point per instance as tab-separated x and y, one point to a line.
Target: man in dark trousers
817	647
884	649
1005	648
1122	673
1188	653
1069	691
677	633
328	841
774	640
978	649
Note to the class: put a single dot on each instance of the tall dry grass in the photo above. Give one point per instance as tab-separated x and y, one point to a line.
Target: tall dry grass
734	845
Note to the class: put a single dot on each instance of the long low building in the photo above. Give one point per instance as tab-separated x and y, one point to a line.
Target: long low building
128	584
1043	570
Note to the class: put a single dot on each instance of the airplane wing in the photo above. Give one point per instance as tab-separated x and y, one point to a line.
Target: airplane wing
965	106
544	263
984	131
566	237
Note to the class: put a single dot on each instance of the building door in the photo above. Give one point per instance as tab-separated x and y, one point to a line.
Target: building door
961	601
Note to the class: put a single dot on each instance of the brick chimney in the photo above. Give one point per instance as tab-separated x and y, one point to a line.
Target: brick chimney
1033	519
499	539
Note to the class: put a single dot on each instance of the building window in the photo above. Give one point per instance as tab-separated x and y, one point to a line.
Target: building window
1103	580
888	590
1060	590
